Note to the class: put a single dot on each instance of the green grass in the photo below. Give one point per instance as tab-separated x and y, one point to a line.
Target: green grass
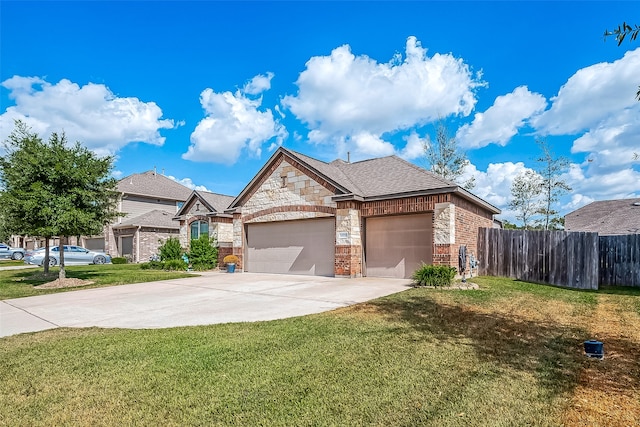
20	283
508	354
10	262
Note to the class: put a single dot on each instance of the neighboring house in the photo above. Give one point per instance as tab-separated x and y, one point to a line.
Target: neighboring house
380	217
150	201
204	213
606	217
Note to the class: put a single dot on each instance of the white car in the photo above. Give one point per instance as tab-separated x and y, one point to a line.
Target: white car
73	255
7	251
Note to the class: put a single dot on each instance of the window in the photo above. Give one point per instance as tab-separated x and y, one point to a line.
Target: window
199	228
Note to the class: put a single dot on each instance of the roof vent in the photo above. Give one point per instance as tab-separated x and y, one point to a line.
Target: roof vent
636	203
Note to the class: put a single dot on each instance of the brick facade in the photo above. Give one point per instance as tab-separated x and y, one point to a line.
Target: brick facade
288	190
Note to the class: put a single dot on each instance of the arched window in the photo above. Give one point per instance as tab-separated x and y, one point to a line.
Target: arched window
199	228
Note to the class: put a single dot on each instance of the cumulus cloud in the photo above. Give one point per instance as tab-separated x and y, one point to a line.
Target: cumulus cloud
592	96
502	120
351	101
188	182
234	122
494	185
258	84
597	105
414	147
91	114
603	185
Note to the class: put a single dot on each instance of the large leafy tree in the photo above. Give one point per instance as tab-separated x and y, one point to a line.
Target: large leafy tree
53	189
553	185
445	159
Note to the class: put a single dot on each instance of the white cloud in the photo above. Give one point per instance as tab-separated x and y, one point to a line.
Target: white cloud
592	96
502	120
233	123
414	147
188	182
258	84
91	114
494	185
342	97
603	185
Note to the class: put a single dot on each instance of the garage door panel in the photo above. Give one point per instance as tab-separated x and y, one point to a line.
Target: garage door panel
397	245
292	247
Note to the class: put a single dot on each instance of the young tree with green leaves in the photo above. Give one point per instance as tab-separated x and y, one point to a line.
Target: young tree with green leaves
553	186
52	189
445	159
526	190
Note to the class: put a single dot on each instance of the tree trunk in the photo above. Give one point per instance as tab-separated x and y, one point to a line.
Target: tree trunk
62	275
46	255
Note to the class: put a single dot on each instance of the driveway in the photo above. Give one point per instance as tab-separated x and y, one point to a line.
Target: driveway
213	297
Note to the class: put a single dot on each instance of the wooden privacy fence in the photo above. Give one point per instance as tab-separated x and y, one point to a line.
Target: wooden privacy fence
620	260
568	259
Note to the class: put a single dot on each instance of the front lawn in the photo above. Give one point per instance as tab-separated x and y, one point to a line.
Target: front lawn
509	354
20	283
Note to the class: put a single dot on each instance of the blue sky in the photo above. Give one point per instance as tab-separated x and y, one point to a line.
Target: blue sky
206	91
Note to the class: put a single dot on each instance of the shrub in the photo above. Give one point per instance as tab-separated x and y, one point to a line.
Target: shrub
171	249
119	260
152	265
203	254
175	265
231	259
434	275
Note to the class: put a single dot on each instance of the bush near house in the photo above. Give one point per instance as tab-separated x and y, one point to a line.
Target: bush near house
119	260
203	254
434	275
171	249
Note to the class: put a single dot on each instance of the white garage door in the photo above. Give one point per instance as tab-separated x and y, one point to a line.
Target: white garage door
292	247
395	246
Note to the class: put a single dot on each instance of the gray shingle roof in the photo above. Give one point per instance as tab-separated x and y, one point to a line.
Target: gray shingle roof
606	217
156	218
151	184
381	178
219	202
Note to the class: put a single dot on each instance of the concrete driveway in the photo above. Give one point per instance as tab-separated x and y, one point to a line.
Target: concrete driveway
213	297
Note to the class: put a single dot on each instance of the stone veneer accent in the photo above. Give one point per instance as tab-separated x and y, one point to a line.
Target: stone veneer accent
288	193
348	255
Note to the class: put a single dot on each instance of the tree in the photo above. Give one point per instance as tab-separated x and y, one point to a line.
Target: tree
526	190
445	159
51	189
553	186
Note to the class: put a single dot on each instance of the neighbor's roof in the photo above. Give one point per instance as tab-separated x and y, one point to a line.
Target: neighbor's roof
151	184
156	218
374	179
213	202
606	217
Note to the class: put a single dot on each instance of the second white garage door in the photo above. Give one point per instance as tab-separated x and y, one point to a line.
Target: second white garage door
292	247
397	245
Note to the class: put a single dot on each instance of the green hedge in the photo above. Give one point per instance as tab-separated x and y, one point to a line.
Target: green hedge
119	260
434	275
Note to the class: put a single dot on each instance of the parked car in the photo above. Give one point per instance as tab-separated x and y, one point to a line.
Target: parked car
9	252
73	255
